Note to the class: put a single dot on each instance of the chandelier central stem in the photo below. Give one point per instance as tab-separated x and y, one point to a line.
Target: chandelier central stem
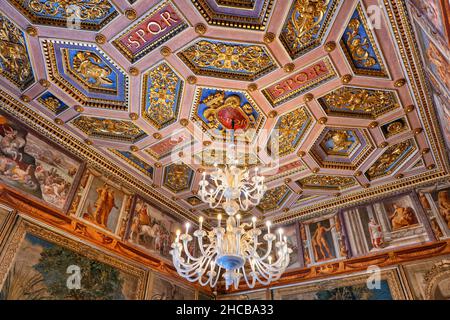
236	251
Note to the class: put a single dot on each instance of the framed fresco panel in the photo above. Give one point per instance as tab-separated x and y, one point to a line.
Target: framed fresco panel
151	229
291	232
386	224
161	288
102	202
435	12
429	279
40	264
323	240
354	287
35	167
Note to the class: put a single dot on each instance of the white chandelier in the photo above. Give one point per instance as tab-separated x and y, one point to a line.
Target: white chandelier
235	249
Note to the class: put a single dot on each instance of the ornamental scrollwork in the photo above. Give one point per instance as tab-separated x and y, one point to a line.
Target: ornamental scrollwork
387	162
358	46
81	9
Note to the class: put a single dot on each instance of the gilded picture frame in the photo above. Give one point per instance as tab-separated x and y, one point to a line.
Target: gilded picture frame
311	290
85	202
25	228
163	288
7	216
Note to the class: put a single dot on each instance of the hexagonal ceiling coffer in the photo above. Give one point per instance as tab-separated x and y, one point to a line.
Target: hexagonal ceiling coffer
215	110
232	13
306	25
327	182
342	148
359	102
162	89
106	128
178	177
274	198
229	60
391	159
86	73
91	15
289	131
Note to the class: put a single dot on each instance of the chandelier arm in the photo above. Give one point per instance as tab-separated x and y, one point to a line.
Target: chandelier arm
217	277
268	252
250	285
187	253
189	268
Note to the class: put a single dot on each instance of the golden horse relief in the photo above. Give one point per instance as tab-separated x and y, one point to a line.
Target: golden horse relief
402	217
88	65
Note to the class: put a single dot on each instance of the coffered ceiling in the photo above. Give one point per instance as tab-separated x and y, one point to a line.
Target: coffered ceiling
334	111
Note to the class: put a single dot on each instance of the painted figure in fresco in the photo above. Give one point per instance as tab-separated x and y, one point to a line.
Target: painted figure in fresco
149	232
104	204
402	217
16	165
320	244
376	233
444	206
31	165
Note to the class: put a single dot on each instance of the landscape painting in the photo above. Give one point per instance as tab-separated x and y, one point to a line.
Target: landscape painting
35	167
41	270
103	204
349	288
163	289
152	229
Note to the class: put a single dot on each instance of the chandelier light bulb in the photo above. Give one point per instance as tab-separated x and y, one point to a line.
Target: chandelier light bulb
268	224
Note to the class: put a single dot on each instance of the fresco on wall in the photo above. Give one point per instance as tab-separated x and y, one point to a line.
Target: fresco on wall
435	201
163	289
35	167
39	272
347	288
151	229
435	59
322	240
429	279
433	11
382	225
104	204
